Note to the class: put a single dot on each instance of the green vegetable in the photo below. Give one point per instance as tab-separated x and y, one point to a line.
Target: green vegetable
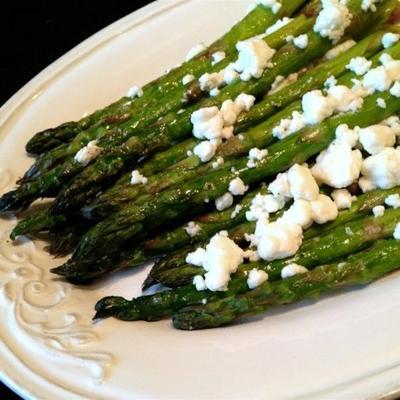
359	269
177	127
259	136
168	205
252	24
334	245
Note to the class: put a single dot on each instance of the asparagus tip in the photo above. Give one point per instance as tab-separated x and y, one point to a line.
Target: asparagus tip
11	201
110	306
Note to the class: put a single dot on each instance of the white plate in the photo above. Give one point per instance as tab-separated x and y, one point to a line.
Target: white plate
345	346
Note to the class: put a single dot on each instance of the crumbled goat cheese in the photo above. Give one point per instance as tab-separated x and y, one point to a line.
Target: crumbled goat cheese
331	81
324	209
196	257
393	200
369	5
237	187
278	25
317	107
300	212
280	186
251	255
194	51
189	153
346	99
375	138
188	78
302	184
383	169
342	198
366	184
381	102
223	202
277	240
88	153
236	211
221	258
218	163
217	57
192	229
292	270
396	233
137	178
212	123
205	150
135	91
254	57
339	49
214	92
332	20
207	123
378	211
274	5
256	277
393	123
337	166
229	74
199	283
211	81
346	135
359	65
256	154
287	126
262	205
389	39
301	41
281	82
395	89
381	78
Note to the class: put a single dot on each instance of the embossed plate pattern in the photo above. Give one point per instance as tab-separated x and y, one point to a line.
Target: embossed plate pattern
345	346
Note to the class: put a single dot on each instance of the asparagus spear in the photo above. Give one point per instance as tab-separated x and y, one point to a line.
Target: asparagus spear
364	231
259	136
327	248
252	24
177	127
168	129
151	248
139	118
169	204
113	160
125	225
358	269
166	268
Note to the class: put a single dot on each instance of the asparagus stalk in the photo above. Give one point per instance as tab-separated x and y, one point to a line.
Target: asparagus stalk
327	248
365	230
151	248
167	267
125	225
114	159
165	132
252	24
177	127
136	119
359	269
259	136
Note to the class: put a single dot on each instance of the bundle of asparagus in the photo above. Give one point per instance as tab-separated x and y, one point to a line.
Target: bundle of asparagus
133	175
